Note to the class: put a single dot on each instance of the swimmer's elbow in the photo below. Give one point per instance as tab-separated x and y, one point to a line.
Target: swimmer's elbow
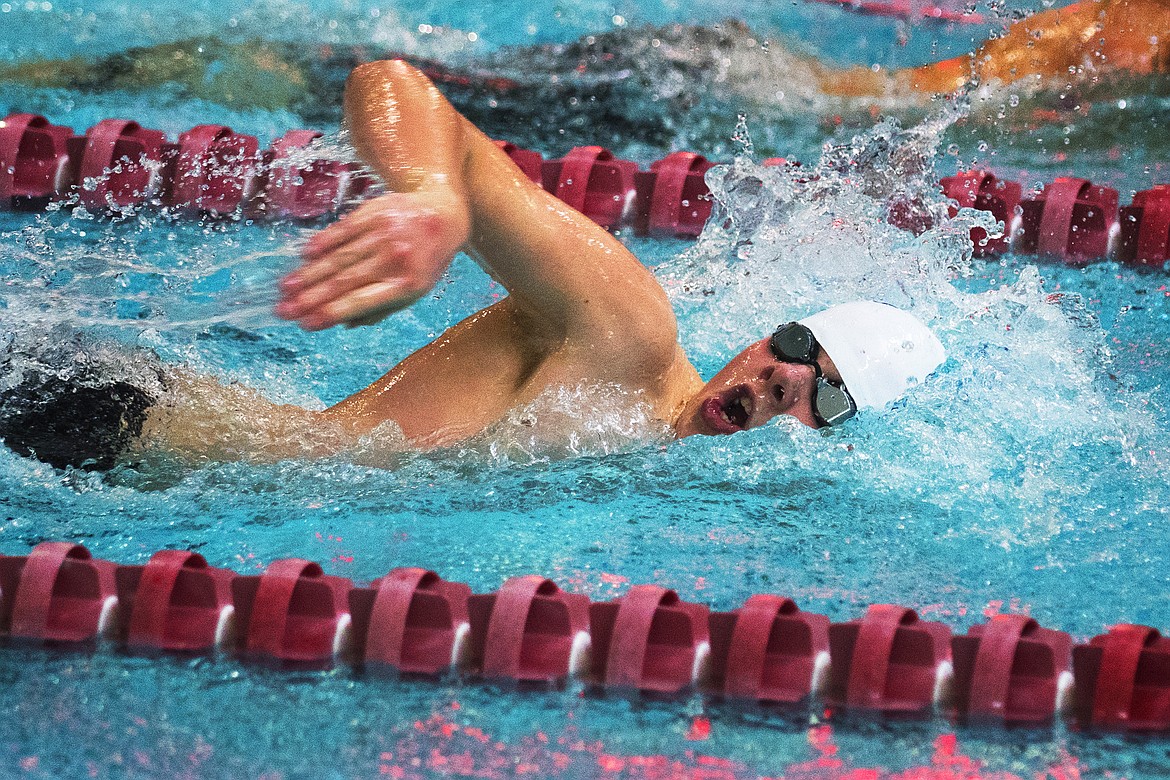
390	88
381	72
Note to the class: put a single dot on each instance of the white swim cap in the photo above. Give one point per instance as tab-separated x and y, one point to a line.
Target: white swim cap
881	351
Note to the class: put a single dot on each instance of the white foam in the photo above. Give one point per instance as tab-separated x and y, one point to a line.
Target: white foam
461	646
343	636
581	655
1028	364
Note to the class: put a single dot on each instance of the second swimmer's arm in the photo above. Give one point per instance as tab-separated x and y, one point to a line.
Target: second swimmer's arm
1093	35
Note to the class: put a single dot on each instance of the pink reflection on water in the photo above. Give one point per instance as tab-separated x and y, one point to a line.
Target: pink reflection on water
439	745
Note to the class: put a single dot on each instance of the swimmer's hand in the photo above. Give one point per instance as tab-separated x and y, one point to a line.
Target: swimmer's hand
375	261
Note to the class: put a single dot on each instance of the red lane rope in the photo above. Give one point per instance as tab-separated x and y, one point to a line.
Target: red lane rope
155	593
214	170
1009	670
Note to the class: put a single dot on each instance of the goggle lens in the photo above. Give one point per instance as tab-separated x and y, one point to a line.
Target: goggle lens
832	404
795	343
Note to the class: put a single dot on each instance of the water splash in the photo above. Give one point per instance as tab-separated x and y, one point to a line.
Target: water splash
1023	411
787	238
1026	414
151	266
563	422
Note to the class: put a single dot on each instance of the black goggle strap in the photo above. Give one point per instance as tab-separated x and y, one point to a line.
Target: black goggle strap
833	405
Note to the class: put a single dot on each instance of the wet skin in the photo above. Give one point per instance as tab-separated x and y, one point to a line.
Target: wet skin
581	310
751	390
1089	38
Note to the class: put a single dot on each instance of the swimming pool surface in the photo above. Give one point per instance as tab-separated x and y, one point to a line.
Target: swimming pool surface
1028	476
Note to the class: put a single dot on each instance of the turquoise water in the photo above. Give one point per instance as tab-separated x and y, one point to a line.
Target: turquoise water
1028	476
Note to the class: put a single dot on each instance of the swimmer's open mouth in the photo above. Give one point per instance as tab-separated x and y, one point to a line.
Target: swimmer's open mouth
729	411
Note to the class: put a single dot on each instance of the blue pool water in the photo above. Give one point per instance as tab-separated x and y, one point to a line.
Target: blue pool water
1029	476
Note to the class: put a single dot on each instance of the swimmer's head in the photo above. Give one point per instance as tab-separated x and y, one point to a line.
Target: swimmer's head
820	370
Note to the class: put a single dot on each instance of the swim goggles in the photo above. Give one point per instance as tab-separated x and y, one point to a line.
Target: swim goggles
795	343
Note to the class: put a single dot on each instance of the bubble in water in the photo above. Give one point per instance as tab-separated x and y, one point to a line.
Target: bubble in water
742	136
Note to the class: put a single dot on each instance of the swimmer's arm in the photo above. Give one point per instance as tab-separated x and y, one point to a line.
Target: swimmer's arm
454	189
559	266
1043	45
394	248
1118	35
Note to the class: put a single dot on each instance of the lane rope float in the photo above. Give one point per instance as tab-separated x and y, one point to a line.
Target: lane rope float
213	170
1009	670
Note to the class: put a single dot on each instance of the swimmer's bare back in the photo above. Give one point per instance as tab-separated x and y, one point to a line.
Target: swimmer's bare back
1079	42
580	310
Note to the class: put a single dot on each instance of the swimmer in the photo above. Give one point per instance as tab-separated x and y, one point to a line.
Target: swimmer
1082	42
628	84
581	310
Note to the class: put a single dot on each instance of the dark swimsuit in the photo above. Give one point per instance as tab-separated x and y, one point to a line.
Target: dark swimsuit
74	402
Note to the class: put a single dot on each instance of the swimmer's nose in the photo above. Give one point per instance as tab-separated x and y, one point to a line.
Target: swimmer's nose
782	389
768	395
782	395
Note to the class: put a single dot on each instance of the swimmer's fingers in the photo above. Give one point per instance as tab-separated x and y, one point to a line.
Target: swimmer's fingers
377	260
332	238
371	319
369	303
385	266
383	215
382	228
351	227
357	251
